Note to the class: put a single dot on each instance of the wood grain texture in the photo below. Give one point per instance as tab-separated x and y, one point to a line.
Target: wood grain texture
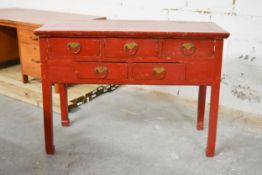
11	85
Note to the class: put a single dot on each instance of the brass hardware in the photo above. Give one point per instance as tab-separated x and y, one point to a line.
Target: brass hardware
131	48
101	69
35	61
159	70
74	47
188	46
35	38
130	45
188	49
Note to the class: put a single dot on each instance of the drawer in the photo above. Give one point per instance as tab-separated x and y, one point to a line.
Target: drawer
30	59
110	71
158	71
182	48
27	36
78	47
29	53
124	48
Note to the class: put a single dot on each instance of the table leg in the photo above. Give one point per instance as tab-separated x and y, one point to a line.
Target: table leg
201	107
48	117
56	88
25	78
213	113
64	105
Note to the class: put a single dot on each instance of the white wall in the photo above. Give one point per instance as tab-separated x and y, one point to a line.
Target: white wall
242	66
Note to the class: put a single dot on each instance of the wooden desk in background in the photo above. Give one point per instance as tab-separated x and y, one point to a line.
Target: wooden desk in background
17	40
134	52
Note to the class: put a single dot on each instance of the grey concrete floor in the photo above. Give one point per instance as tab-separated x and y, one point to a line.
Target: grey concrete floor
128	132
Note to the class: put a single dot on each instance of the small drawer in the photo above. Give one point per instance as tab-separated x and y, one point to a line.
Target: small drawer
29	53
79	47
27	36
124	48
158	71
109	71
182	48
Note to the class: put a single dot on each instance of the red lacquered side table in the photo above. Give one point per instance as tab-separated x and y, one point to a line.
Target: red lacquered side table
133	52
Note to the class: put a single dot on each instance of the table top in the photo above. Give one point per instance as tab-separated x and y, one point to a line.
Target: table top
40	17
130	28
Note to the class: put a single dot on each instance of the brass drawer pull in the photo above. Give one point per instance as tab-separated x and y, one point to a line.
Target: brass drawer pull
74	47
159	70
188	49
35	61
34	38
101	69
131	48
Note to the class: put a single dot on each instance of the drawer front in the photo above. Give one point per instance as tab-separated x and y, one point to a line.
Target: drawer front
30	53
158	71
27	36
30	59
78	47
109	71
124	48
183	48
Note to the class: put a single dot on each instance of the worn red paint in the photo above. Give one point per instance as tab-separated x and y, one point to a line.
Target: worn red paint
134	52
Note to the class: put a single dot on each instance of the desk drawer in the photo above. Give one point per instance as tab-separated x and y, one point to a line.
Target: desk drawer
124	48
30	59
110	71
76	47
183	48
30	53
158	71
27	36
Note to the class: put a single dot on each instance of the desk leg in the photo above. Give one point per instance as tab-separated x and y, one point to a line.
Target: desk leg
25	78
48	117
213	113
201	107
63	104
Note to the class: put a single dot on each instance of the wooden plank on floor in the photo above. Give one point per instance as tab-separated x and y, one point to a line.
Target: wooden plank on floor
11	85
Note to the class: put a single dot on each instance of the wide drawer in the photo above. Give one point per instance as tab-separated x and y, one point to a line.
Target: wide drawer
158	71
124	48
78	47
108	71
184	48
27	36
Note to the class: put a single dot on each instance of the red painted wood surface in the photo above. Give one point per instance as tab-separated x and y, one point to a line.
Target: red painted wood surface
134	52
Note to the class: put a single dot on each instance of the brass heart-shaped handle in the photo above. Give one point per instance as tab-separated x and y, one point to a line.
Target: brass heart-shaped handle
74	47
188	48
159	70
101	69
131	48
